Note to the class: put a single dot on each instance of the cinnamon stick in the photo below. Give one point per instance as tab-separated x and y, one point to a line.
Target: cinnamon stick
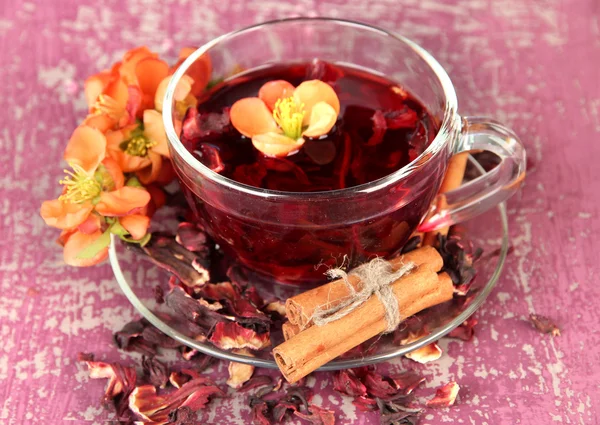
289	330
317	345
452	180
300	309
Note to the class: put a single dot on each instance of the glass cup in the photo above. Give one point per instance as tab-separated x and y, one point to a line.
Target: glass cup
294	238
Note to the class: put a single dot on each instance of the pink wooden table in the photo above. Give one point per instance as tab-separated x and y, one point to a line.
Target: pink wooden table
533	64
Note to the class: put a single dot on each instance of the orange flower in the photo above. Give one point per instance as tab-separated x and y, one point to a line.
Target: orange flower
140	148
183	96
94	190
281	116
200	71
116	97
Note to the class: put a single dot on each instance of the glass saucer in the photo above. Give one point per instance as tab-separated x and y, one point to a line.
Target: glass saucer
138	278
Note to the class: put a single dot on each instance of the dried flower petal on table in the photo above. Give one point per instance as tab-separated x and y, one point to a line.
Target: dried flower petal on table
192	309
155	372
365	404
130	338
380	386
240	373
464	331
445	396
346	382
183	416
544	324
256	382
407	381
148	405
317	416
231	335
167	254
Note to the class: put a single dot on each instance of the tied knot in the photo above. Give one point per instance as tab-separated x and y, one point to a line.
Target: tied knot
376	276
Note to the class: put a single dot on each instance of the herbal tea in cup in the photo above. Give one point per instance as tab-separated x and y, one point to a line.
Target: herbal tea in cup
300	157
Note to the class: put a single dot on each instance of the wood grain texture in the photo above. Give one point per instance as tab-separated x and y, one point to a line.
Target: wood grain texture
531	64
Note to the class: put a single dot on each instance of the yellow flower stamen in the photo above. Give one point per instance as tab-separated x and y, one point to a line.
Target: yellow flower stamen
138	146
107	105
288	115
81	186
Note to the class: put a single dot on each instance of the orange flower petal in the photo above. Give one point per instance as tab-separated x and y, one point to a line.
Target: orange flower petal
154	130
250	116
95	85
276	144
86	148
127	163
76	243
136	224
150	174
130	61
115	172
200	71
91	225
65	215
312	92
118	91
271	91
322	119
124	201
182	90
101	122
150	72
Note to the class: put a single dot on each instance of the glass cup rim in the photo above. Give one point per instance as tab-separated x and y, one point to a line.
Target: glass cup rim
440	139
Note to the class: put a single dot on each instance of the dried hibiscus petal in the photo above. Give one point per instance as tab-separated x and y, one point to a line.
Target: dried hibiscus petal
193	310
147	404
365	404
193	238
256	382
260	414
282	408
379	128
237	305
401	118
210	156
121	379
167	254
231	335
429	353
324	71
408	381
130	338
544	324
155	371
318	415
445	396
346	382
465	331
177	379
204	125
240	373
380	386
182	416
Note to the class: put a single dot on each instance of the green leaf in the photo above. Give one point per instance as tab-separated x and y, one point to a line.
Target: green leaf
142	242
117	229
95	247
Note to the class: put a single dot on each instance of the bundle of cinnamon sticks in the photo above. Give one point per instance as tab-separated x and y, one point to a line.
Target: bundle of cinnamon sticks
308	347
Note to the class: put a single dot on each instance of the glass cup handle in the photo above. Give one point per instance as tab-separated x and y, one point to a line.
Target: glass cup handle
489	189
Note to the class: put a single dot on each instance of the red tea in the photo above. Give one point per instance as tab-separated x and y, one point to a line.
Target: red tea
380	129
